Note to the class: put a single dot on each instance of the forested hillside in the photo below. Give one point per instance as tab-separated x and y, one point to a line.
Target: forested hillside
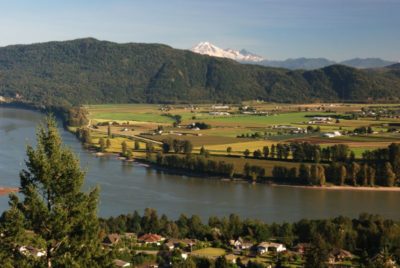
91	71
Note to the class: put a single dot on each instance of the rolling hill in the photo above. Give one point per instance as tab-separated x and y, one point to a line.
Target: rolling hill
91	71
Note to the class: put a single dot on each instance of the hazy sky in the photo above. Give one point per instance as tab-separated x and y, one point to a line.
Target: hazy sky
275	29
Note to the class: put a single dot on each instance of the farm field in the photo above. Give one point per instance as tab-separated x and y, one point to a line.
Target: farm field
267	127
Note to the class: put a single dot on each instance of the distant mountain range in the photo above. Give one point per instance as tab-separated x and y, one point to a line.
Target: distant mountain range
244	56
206	48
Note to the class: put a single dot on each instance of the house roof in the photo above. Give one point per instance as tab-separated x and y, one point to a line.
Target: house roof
341	253
121	263
150	238
269	245
112	238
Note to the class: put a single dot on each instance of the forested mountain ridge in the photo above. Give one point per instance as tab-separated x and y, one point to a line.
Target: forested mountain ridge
90	71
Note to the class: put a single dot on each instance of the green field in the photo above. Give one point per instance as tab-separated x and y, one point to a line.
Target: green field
209	252
145	118
129	116
280	119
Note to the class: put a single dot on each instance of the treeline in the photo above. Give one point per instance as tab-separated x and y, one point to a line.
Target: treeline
304	152
77	117
177	146
378	167
365	236
196	164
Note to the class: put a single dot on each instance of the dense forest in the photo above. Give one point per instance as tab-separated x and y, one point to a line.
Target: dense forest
90	71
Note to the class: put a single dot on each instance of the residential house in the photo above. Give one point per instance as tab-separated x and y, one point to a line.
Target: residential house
301	248
332	134
265	247
220	107
339	255
384	259
181	243
230	258
121	263
151	239
240	244
112	239
32	251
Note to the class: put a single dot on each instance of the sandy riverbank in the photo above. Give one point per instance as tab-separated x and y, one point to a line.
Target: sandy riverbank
7	190
346	187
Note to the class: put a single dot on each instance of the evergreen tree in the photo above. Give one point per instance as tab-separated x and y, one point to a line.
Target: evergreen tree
124	148
388	176
265	152
371	176
229	150
137	145
363	175
54	207
257	154
272	153
187	147
342	174
317	255
108	143
102	145
109	131
354	170
304	173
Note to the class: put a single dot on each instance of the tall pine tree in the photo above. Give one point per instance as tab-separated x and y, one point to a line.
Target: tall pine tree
54	208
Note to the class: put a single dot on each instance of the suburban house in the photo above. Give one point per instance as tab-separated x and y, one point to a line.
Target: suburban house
332	134
32	251
320	120
339	255
289	128
219	113
220	107
240	244
301	248
181	243
111	239
265	247
151	239
121	263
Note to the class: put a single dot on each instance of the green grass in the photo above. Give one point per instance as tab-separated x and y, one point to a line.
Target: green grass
284	118
128	116
209	252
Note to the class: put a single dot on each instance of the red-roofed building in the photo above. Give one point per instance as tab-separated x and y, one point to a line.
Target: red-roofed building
151	239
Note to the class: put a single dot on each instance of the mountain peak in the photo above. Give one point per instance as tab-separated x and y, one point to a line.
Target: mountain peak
207	48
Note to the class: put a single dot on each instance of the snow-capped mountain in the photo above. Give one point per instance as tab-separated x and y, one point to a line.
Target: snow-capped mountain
206	48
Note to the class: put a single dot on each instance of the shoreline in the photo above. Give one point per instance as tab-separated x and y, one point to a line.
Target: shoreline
342	188
8	190
240	180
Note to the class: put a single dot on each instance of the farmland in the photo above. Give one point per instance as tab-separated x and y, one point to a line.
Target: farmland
228	131
145	118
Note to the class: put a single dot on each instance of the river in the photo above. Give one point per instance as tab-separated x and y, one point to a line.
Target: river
126	187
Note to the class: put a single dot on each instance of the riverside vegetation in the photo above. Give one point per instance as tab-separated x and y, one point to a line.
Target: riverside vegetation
55	217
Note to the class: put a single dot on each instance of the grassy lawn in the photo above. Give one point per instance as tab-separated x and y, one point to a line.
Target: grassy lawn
209	252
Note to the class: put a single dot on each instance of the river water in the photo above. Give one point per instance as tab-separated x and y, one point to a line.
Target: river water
126	187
